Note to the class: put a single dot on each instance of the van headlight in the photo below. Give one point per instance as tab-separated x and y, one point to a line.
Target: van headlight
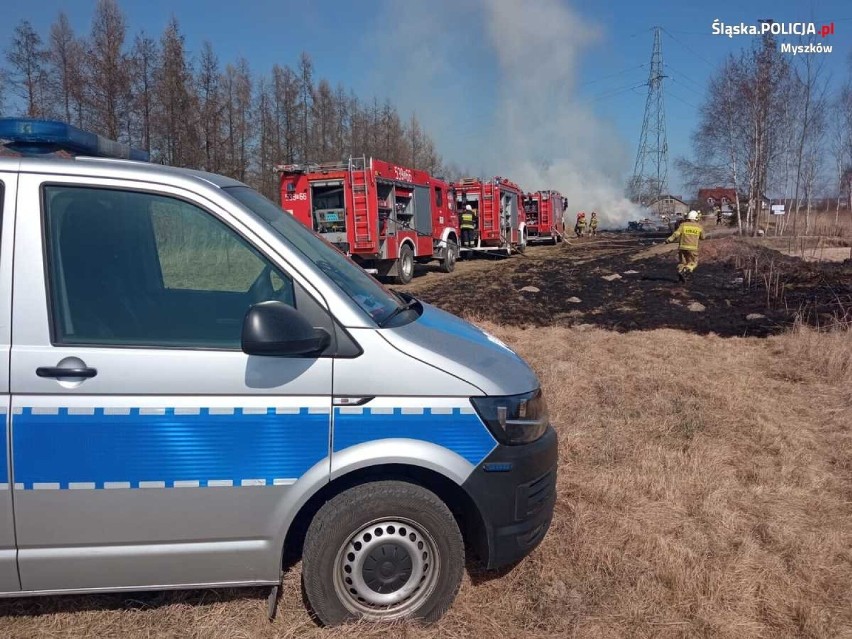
514	419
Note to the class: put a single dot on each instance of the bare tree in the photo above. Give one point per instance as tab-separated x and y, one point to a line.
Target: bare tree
210	107
243	105
842	147
810	127
27	76
306	100
224	121
717	141
65	57
109	80
342	125
422	149
174	115
264	126
145	60
236	94
766	87
323	117
734	143
285	97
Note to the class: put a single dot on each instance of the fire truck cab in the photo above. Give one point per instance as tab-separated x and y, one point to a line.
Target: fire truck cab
386	217
545	216
498	206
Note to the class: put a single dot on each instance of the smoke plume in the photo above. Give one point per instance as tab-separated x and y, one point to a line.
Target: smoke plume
552	139
534	129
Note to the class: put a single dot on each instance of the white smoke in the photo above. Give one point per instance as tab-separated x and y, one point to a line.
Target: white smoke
552	140
539	133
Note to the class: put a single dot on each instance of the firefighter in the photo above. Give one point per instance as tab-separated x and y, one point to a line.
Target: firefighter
580	226
718	216
593	224
688	235
468	224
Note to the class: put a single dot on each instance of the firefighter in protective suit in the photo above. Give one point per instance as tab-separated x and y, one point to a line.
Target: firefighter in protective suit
580	226
688	235
593	224
468	226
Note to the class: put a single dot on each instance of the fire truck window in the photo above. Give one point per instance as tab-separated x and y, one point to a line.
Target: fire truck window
439	197
328	208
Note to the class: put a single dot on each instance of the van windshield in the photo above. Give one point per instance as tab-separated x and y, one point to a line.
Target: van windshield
378	302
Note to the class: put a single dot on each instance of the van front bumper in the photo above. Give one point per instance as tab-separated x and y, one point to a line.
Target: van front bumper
514	490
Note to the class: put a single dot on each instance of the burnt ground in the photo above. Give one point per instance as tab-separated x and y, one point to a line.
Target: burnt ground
735	278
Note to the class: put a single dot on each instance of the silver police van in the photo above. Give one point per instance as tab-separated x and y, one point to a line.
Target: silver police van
197	388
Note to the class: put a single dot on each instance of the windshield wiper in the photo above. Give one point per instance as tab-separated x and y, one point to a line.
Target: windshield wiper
407	305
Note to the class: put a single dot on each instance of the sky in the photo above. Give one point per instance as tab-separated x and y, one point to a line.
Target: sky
534	90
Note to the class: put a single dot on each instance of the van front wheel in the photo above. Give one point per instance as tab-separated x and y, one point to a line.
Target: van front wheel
382	551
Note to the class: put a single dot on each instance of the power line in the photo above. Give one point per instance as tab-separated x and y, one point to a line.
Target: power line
680	99
692	51
698	33
614	92
612	75
683	76
690	90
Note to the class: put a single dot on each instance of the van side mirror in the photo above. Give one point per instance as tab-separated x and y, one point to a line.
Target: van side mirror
275	329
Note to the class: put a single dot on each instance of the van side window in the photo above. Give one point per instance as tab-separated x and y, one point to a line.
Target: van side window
137	269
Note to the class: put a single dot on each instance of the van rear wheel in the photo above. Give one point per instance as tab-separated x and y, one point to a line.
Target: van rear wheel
382	551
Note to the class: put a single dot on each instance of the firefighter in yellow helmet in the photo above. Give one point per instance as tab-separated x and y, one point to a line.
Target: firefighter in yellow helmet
688	235
593	224
468	226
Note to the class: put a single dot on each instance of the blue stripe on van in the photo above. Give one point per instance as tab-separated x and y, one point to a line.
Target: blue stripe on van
462	432
63	448
4	462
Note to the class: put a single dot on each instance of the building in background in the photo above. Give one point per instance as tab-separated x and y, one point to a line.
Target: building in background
669	206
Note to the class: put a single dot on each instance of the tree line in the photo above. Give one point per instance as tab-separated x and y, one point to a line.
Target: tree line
195	111
771	125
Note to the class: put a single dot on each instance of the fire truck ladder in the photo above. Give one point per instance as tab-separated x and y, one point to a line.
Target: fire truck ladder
360	210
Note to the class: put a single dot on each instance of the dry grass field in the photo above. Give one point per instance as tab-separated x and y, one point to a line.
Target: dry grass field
705	488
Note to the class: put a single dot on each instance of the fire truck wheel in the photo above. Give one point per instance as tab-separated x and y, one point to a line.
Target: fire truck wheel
448	263
405	265
522	244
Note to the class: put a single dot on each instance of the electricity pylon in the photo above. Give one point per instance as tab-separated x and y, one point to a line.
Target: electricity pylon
650	171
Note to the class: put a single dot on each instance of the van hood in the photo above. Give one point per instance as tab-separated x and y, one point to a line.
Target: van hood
463	350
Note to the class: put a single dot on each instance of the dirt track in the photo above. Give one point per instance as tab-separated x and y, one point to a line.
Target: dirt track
572	289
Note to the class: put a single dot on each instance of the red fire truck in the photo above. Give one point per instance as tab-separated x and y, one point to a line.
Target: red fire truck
498	206
386	217
544	212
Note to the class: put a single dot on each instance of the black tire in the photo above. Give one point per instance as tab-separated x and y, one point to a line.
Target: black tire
448	263
405	265
338	549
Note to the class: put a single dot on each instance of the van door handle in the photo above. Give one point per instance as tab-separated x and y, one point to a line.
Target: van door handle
59	371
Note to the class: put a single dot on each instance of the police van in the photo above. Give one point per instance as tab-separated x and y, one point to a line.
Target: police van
197	389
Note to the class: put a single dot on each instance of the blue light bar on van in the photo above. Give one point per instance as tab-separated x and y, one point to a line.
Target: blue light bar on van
37	137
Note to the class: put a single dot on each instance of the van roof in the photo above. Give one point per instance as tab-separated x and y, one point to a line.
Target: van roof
108	167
